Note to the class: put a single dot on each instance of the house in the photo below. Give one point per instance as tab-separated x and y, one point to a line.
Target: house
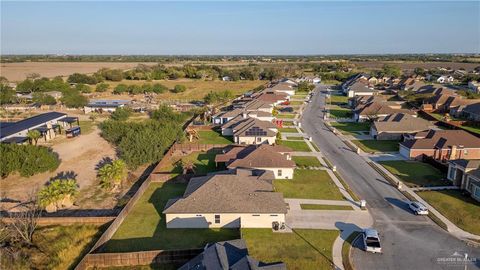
257	105
104	105
363	100
57	95
393	126
441	145
48	124
273	97
289	81
470	112
250	130
445	79
309	79
231	254
226	116
282	88
239	200
360	89
465	174
228	127
377	109
474	86
260	158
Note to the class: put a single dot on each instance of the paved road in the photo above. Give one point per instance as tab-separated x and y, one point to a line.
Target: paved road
409	241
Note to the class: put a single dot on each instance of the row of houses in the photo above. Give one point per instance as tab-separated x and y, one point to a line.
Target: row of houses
241	194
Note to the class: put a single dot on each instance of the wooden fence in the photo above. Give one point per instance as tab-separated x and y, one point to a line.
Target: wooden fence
44	221
175	257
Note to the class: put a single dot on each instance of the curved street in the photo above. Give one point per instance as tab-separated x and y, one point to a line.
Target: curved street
409	241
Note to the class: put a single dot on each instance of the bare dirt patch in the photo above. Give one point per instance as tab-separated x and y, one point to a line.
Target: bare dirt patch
80	157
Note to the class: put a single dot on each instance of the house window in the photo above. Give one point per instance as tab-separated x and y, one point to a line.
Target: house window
274	215
255	215
452	173
217	219
279	172
476	192
198	215
259	139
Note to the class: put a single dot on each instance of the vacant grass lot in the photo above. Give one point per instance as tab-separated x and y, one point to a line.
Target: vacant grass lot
338	99
309	184
414	173
288	130
461	210
145	228
339	112
374	146
350	127
307	161
196	89
299	146
300	250
212	137
59	247
324	207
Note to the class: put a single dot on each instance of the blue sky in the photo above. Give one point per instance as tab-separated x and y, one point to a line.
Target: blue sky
240	27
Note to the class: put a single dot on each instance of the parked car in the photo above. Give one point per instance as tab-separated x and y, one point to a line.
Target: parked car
418	208
371	241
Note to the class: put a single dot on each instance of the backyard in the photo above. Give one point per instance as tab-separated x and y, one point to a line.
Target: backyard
301	249
299	146
145	228
460	209
212	137
349	128
306	161
309	184
414	173
203	163
374	146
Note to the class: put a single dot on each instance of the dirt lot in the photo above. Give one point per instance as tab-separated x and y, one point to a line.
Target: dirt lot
79	156
18	71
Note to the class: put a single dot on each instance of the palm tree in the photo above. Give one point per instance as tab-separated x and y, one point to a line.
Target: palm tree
57	193
187	165
112	174
34	135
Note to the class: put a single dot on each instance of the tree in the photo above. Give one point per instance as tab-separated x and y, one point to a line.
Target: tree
25	222
120	89
57	194
102	87
34	135
121	114
392	71
111	175
179	88
82	78
83	88
43	99
74	99
187	165
305	87
27	159
7	94
218	97
159	88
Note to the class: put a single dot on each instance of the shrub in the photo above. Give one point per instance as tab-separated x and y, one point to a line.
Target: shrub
120	89
159	88
27	159
112	175
56	191
74	99
102	87
121	114
179	88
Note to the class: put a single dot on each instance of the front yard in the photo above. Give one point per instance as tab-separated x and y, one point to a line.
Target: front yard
414	173
339	112
285	115
299	146
306	161
375	146
145	228
349	128
338	99
288	130
461	210
301	249
309	184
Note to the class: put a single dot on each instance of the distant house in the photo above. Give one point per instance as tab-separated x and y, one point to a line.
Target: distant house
226	78
445	79
393	126
441	145
48	124
105	105
282	88
377	109
240	200
231	254
360	89
465	174
363	100
474	86
274	97
276	159
57	95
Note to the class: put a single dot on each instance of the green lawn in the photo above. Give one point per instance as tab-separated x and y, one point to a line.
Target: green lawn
374	146
324	207
145	228
414	173
299	146
340	112
296	102
86	127
302	249
309	184
300	95
288	130
204	162
212	137
295	138
472	129
349	127
461	210
286	115
338	99
306	161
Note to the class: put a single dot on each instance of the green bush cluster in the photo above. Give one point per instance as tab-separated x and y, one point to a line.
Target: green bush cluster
26	159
